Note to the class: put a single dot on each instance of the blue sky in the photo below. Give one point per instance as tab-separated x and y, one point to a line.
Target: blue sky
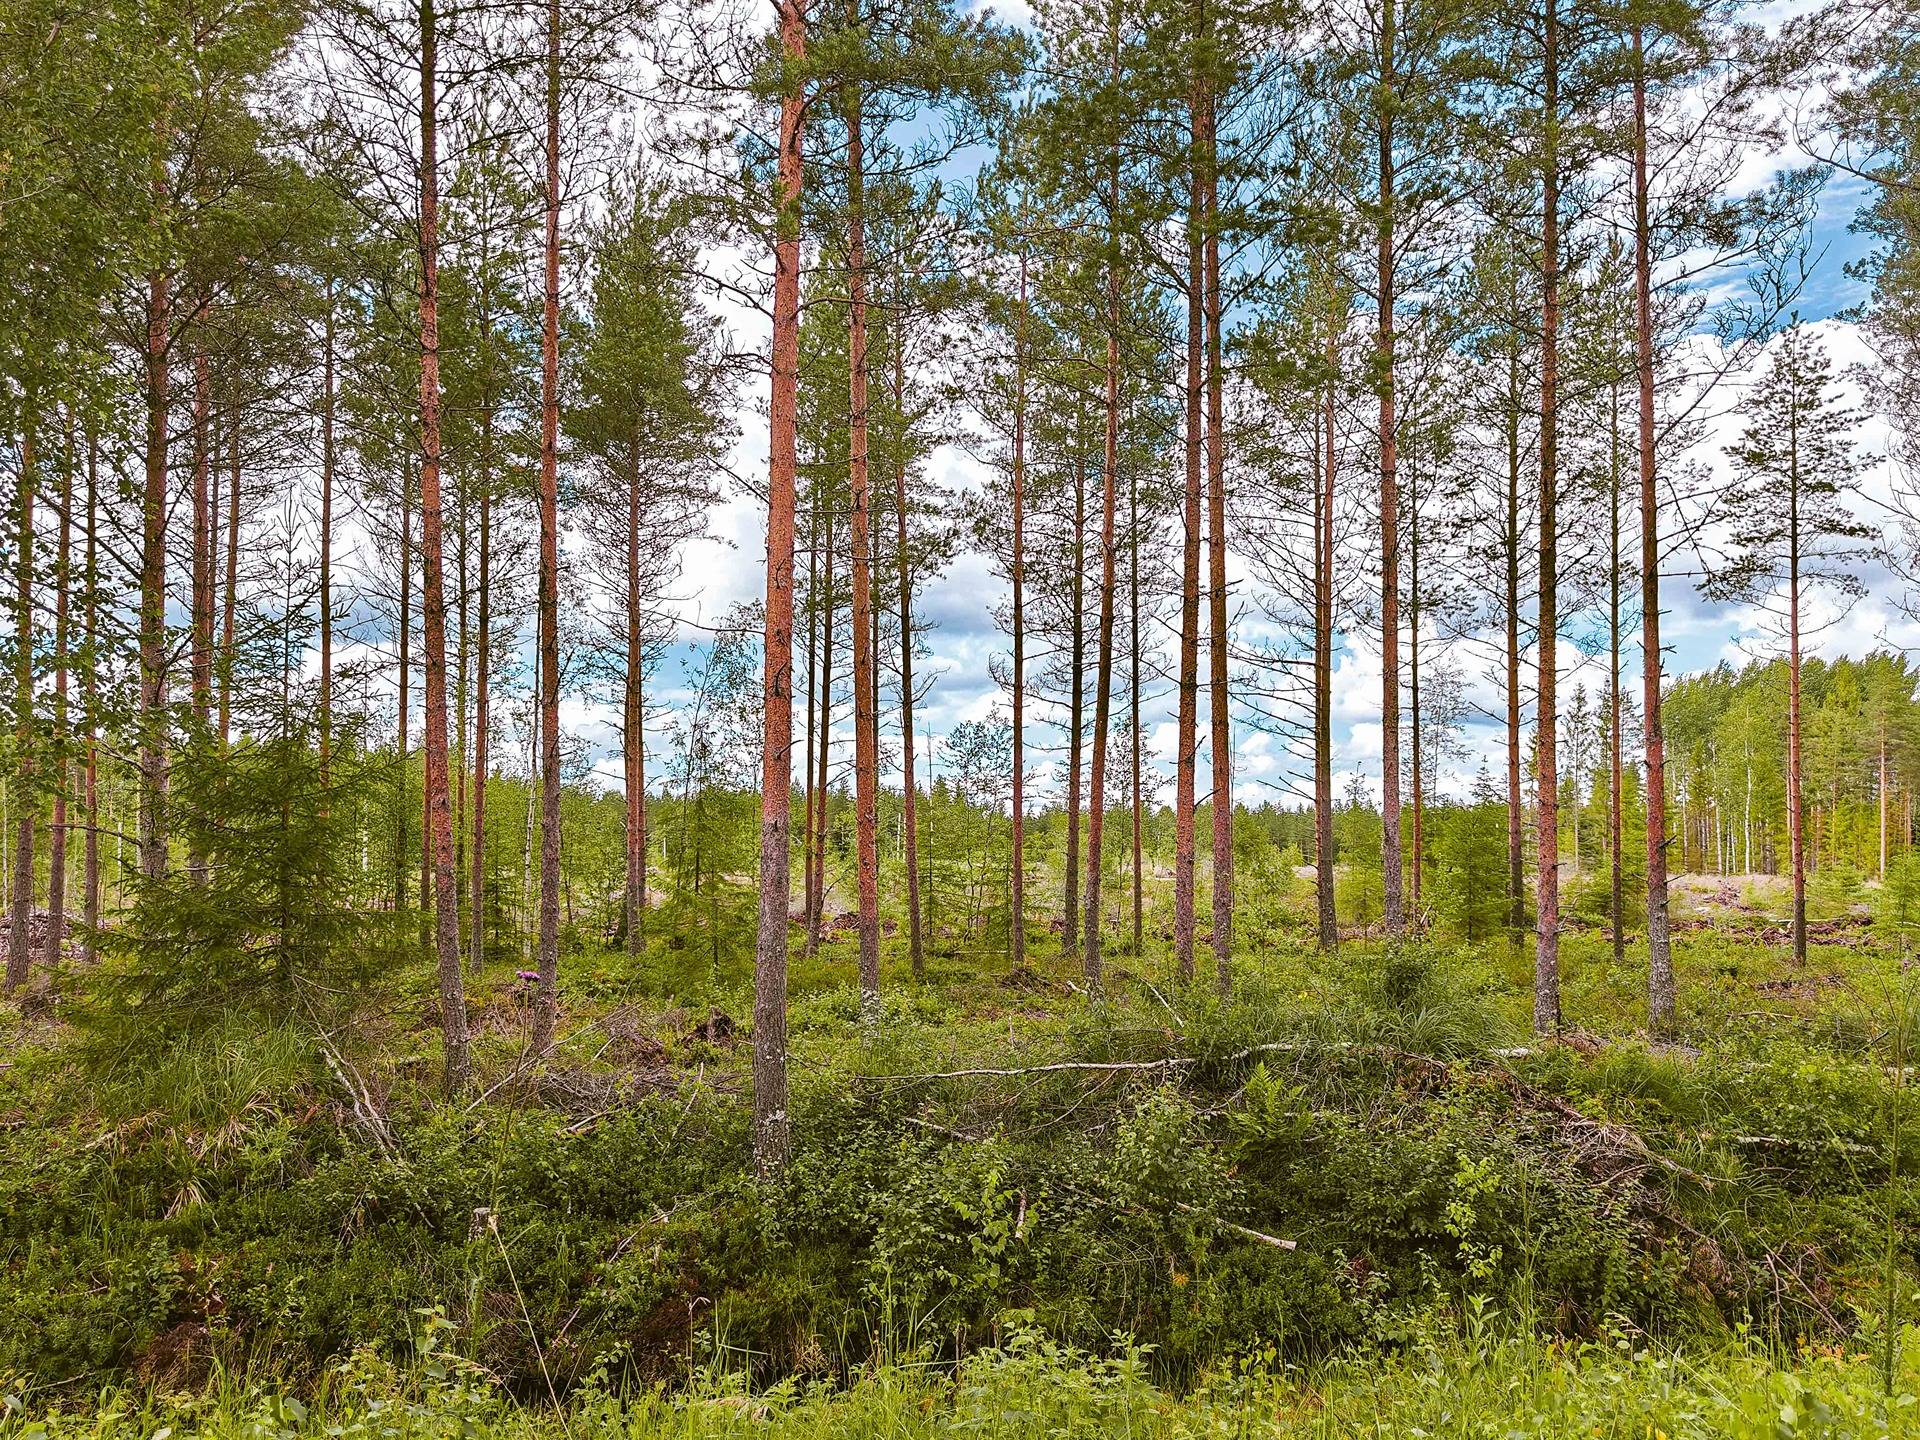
956	608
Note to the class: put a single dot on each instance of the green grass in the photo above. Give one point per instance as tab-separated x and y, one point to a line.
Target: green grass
194	1211
1476	1379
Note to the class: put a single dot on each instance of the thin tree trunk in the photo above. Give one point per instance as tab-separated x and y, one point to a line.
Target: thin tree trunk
1616	779
818	859
1546	970
1390	861
19	951
483	643
230	597
405	677
1516	861
547	994
1417	777
57	831
1187	738
807	766
772	1143
462	674
90	705
635	776
1323	856
1796	818
916	949
1133	708
1218	712
153	563
1881	795
1018	898
203	545
453	1002
866	719
326	544
1076	679
1660	990
1090	957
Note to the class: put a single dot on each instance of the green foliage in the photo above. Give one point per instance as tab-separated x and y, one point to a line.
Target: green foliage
1470	875
269	915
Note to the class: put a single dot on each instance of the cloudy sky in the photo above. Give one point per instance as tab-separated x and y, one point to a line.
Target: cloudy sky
725	569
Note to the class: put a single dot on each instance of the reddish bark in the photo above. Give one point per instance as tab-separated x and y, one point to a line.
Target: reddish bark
772	1136
433	602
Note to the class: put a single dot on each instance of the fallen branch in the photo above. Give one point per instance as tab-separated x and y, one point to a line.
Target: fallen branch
1260	1235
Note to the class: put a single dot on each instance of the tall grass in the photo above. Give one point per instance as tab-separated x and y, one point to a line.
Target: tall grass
1480	1379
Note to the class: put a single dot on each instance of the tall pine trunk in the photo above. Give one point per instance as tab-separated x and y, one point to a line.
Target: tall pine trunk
1796	804
433	604
1660	990
1390	861
1090	956
866	717
1187	675
1218	712
772	1136
1616	764
326	540
546	1004
153	552
1323	856
1546	962
1018	898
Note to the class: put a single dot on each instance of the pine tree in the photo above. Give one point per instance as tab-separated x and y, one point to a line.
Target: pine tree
1792	527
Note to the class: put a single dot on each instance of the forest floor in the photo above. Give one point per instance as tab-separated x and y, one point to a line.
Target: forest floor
1356	1198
